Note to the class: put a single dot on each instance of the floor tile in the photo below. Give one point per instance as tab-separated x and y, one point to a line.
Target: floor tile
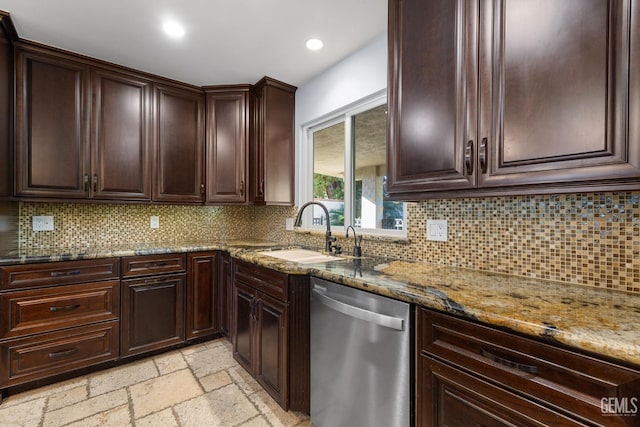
163	418
67	397
245	381
121	376
210	360
86	408
170	362
273	412
215	381
160	393
25	414
225	407
116	417
256	422
44	391
194	349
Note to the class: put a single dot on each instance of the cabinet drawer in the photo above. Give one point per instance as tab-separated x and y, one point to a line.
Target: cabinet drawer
31	358
58	273
42	310
153	264
269	281
567	381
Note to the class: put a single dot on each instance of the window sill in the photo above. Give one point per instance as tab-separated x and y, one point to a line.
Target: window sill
400	240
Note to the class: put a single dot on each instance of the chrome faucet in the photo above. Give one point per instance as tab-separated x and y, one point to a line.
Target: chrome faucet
329	245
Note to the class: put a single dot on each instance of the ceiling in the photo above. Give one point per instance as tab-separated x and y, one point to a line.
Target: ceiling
226	42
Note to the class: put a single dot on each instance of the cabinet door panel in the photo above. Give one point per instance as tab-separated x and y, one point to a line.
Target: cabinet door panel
243	332
272	360
226	295
152	313
120	136
555	106
432	95
202	295
179	150
6	110
227	120
52	138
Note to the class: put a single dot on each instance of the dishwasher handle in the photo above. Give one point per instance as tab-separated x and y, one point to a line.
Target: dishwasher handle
360	313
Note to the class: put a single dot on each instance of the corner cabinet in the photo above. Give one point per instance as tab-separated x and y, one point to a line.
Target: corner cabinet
81	131
470	374
513	97
270	332
227	142
273	156
178	164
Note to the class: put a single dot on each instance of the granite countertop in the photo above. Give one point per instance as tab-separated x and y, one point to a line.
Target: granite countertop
598	320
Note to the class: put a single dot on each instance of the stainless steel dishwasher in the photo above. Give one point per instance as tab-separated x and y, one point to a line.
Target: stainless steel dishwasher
361	360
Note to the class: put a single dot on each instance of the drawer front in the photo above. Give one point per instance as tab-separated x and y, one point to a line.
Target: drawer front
153	264
36	357
563	379
269	281
58	273
43	310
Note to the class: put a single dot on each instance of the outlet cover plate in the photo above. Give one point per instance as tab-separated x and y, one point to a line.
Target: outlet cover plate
288	224
154	221
437	230
42	223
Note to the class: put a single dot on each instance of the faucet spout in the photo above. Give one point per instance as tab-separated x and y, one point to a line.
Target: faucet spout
329	240
357	249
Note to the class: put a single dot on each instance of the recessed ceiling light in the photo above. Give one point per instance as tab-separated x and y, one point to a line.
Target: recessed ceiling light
173	29
314	44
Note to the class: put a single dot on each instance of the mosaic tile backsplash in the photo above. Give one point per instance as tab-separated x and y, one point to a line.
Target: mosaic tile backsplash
591	239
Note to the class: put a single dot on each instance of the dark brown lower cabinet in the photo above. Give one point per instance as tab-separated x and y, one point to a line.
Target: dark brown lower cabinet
474	375
202	295
226	294
152	313
270	332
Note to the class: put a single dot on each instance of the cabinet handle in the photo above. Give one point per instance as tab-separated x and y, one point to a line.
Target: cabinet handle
468	157
201	188
261	186
95	183
85	181
242	187
531	369
63	353
65	273
483	155
64	308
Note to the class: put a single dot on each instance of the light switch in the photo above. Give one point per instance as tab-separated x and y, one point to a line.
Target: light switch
437	230
42	223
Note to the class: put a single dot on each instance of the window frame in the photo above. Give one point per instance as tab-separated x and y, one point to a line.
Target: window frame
344	115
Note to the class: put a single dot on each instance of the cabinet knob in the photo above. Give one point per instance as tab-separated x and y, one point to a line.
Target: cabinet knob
468	157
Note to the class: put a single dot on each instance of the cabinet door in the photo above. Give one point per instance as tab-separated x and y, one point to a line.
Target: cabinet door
152	314
271	350
52	133
120	136
243	325
432	95
202	295
554	84
6	109
179	145
274	169
226	294
227	130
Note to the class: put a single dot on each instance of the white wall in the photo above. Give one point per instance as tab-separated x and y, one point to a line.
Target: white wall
358	76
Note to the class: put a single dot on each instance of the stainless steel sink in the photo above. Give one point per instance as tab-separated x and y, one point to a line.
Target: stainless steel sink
302	256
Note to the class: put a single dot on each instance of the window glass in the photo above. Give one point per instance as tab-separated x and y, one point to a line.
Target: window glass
370	210
328	174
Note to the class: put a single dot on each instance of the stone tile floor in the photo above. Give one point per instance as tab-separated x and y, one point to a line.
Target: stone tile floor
197	386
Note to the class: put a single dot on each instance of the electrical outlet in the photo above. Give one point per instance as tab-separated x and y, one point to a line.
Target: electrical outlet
42	223
154	221
288	224
437	230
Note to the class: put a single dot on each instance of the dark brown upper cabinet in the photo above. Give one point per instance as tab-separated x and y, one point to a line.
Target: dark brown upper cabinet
273	155
7	37
227	142
81	131
120	136
500	97
178	145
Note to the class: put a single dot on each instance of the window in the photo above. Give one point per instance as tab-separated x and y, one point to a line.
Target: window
347	167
